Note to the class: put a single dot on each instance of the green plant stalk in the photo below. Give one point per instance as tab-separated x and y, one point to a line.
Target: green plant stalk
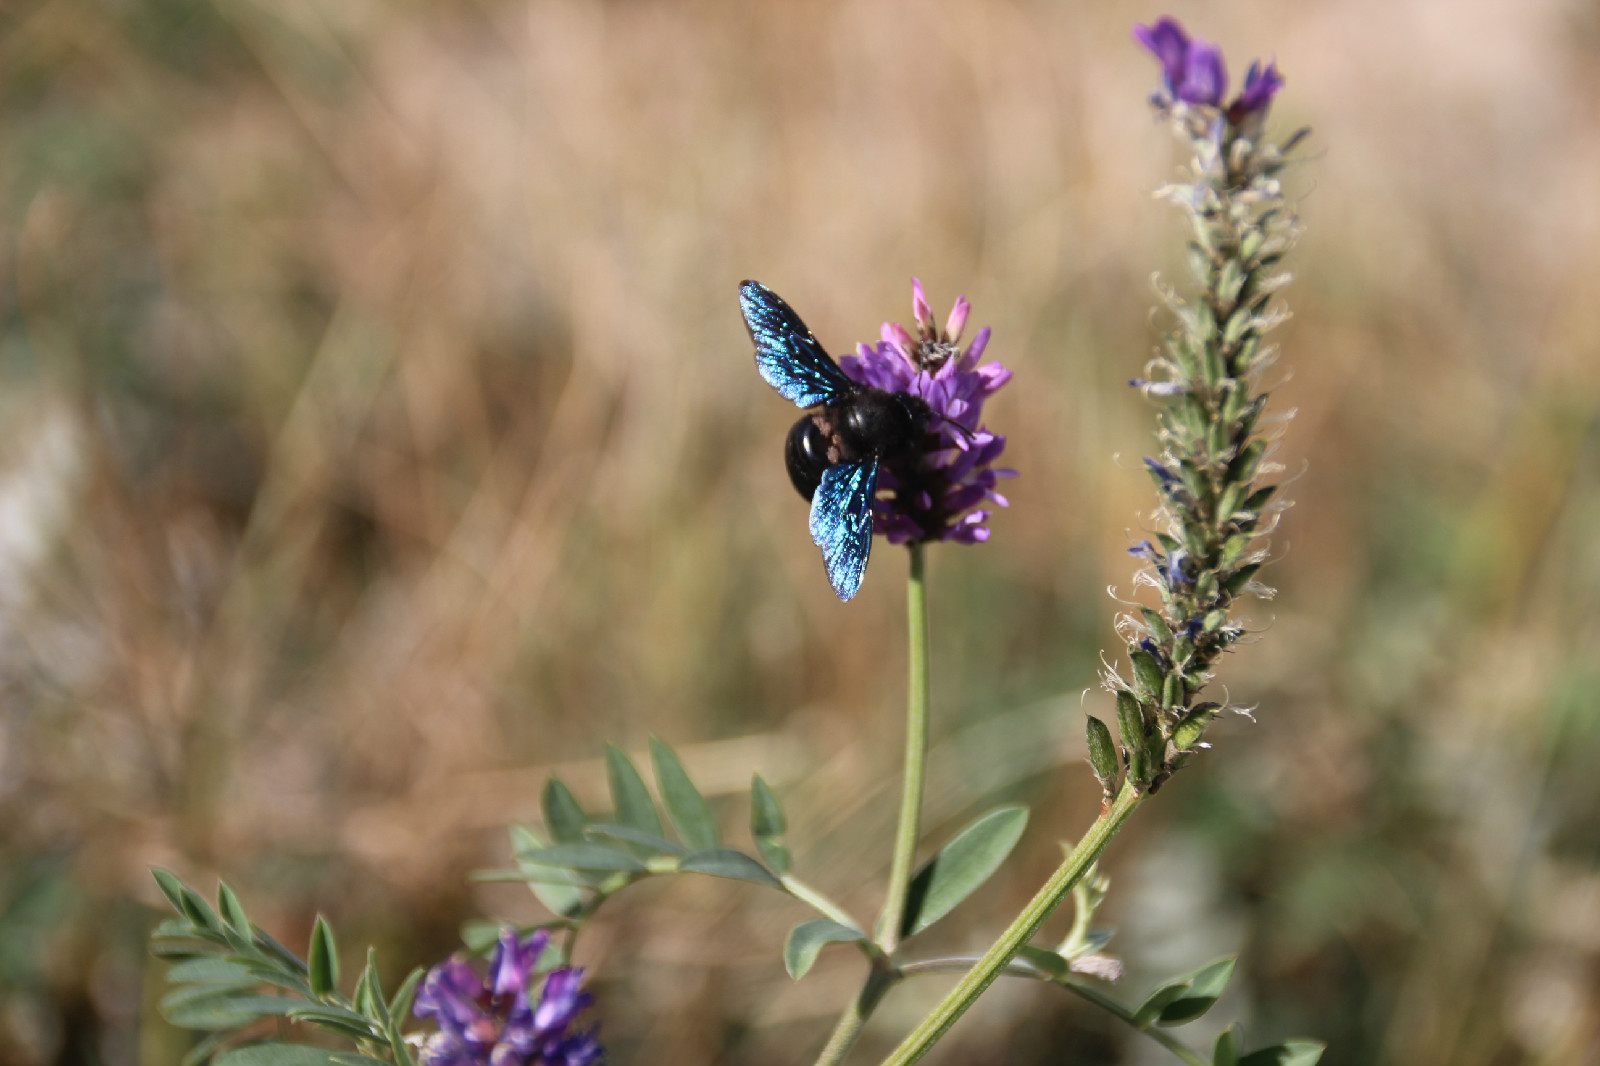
849	1025
1020	931
908	831
1019	968
881	977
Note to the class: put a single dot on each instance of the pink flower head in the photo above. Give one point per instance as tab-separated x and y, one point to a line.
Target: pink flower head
944	493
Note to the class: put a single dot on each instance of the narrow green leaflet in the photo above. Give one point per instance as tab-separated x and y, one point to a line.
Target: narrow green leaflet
229	1010
767	825
170	886
690	814
480	934
725	862
809	938
961	866
323	959
584	856
1045	960
562	815
1296	1052
400	1005
211	970
631	800
279	1054
202	1050
1199	992
561	899
369	998
651	842
1226	1052
232	910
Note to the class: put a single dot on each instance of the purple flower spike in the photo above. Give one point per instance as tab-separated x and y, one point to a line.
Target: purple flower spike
492	1021
946	492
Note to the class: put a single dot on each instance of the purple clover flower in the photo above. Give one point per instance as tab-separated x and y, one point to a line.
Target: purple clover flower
940	497
1194	71
492	1021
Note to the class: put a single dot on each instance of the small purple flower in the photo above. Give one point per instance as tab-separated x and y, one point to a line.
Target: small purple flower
1260	85
491	1021
940	496
1194	72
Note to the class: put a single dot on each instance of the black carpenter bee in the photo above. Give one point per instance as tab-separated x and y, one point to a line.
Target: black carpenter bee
832	453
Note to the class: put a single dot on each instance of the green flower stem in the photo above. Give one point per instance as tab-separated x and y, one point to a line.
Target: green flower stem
855	1016
905	839
882	976
1020	931
1019	968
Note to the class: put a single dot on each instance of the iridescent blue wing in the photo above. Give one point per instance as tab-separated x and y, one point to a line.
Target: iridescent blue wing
788	356
841	522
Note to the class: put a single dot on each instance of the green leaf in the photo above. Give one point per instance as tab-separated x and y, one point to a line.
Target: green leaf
1157	1002
400	1005
198	911
480	934
1226	1052
809	938
203	1049
651	842
322	960
369	998
562	899
725	862
276	1054
584	856
767	825
170	887
1200	993
268	943
211	970
175	929
562	815
219	1009
690	814
1048	961
961	866
631	800
1296	1052
232	910
336	1019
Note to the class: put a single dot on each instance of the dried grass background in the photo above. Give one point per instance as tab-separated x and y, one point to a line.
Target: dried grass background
378	433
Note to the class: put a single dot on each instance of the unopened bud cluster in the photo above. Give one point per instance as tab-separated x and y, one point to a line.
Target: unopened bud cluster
1209	474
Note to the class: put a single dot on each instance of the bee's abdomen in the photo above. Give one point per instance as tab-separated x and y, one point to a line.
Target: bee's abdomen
806	455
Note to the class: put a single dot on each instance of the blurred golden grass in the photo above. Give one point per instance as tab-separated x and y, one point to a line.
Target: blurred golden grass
379	433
